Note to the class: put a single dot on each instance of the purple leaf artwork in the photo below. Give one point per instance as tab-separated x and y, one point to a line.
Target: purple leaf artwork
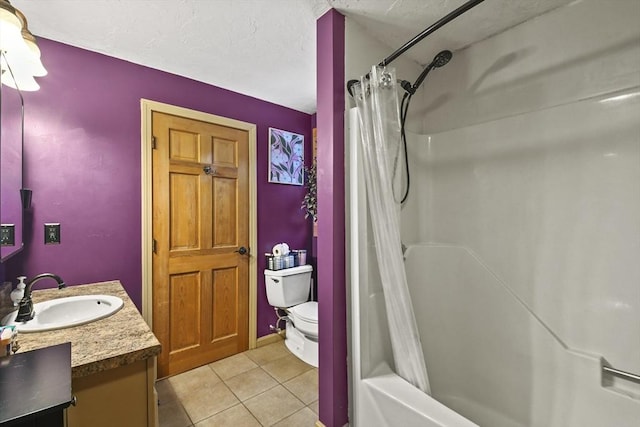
286	157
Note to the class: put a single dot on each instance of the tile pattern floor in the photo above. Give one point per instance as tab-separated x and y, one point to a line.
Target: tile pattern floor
266	386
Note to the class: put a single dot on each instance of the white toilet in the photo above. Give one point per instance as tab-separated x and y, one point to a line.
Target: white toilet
288	289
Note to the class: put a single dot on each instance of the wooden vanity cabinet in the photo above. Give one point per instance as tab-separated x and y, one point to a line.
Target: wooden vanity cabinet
113	367
123	396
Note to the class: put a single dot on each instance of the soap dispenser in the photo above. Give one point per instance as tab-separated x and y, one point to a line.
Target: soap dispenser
18	292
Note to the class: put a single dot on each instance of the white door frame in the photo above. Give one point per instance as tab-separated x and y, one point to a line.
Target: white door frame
147	108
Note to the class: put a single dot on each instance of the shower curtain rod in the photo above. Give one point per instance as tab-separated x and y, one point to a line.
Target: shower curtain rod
440	23
417	39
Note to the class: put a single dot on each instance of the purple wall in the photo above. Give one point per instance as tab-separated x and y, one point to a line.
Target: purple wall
332	318
82	152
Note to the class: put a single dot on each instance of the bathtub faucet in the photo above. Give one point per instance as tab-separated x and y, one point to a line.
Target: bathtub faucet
25	311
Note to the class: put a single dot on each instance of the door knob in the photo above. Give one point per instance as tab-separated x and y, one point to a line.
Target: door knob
242	250
209	170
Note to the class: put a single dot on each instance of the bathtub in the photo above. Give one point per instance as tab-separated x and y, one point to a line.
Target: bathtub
388	400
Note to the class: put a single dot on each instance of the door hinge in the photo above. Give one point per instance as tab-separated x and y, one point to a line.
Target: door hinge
153	142
154	246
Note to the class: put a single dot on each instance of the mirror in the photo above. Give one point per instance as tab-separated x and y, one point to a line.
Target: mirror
10	171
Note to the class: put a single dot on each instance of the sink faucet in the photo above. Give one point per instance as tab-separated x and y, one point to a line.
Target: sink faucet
25	311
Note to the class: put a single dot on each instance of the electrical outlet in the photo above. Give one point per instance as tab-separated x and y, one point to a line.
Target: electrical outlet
52	233
7	235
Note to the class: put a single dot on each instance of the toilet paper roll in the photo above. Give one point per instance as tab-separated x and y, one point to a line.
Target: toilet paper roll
281	249
285	249
277	250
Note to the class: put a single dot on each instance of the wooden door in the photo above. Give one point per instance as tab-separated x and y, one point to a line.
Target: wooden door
200	225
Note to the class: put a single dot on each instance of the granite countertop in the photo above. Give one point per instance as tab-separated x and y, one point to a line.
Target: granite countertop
120	339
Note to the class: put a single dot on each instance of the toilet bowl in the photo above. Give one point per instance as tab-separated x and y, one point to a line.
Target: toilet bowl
288	290
302	332
305	317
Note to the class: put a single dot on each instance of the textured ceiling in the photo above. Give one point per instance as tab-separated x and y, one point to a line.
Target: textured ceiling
261	48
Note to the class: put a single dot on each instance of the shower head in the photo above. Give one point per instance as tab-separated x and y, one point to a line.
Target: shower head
441	59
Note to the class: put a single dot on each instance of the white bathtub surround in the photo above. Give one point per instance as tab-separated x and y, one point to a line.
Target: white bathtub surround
379	119
550	201
522	226
492	360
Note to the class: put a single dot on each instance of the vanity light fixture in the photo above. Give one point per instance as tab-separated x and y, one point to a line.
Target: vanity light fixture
10	26
20	56
19	64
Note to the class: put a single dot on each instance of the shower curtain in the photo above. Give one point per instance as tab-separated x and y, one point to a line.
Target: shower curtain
379	116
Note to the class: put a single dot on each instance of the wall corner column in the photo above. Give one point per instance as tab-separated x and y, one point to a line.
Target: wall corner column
332	318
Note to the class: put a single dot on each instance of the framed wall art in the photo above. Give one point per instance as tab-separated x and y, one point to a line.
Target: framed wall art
286	157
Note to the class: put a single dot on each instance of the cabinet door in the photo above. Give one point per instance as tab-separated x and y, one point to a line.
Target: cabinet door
116	397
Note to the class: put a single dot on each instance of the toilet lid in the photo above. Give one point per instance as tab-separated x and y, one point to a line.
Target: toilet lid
307	311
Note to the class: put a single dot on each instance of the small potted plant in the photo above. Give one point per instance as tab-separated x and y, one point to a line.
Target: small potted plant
310	201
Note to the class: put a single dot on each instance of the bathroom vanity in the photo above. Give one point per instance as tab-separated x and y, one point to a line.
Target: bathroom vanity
112	361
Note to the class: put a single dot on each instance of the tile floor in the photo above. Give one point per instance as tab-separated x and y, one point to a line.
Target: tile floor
267	386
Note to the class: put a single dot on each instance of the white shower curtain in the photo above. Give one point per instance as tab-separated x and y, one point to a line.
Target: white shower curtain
379	116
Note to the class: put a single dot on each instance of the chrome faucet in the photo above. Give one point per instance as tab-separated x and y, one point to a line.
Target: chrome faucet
25	310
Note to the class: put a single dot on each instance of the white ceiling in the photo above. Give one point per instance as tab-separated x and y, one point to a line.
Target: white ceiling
262	48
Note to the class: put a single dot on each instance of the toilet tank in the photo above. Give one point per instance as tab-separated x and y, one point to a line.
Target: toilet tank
289	286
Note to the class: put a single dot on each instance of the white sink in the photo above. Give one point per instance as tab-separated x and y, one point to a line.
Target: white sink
66	312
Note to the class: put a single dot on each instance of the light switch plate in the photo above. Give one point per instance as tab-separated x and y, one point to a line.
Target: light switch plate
7	235
52	233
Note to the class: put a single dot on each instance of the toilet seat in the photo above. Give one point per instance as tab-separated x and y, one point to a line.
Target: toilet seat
305	317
